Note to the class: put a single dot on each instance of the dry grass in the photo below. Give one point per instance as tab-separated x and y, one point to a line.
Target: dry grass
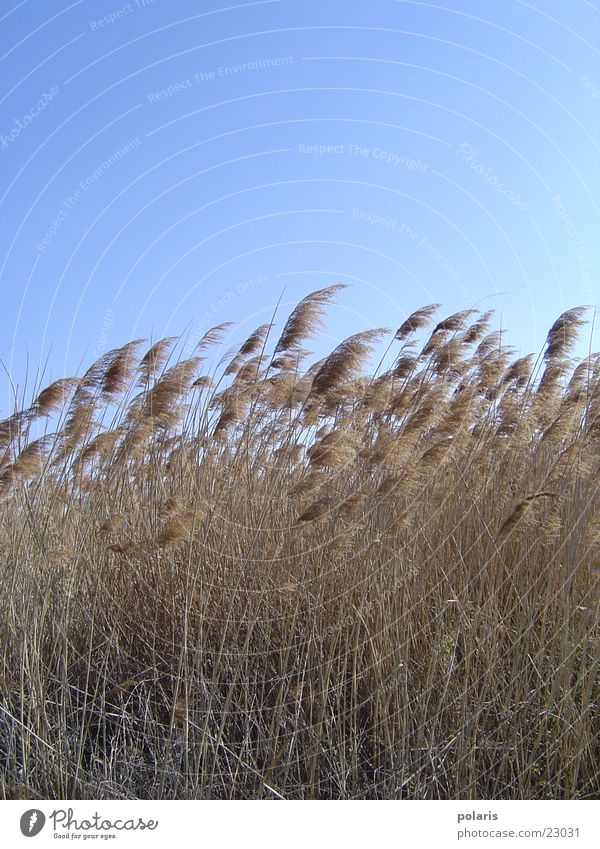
266	580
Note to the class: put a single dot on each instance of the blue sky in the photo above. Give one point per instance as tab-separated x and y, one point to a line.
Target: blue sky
166	166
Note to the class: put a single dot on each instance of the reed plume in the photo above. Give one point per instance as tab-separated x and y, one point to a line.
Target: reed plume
345	361
306	318
53	397
419	319
563	333
154	360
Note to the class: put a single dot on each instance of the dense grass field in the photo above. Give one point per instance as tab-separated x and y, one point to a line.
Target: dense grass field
264	577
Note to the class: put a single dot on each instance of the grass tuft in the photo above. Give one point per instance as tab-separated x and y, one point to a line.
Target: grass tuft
265	580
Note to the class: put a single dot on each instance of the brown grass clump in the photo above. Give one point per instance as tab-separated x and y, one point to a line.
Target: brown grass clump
181	523
520	511
265	578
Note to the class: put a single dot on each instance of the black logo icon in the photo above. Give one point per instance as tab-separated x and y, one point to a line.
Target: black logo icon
32	822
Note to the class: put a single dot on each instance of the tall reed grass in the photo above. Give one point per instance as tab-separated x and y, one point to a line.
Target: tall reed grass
264	578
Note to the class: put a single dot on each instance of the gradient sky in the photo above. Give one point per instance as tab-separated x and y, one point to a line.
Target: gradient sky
166	166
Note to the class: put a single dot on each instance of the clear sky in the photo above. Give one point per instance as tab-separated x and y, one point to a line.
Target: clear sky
166	166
